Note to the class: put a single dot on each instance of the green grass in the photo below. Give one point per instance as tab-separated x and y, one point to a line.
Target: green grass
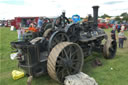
102	74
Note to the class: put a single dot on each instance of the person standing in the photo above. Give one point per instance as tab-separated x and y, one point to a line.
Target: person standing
121	37
113	34
40	23
118	28
28	22
19	32
122	27
32	28
34	22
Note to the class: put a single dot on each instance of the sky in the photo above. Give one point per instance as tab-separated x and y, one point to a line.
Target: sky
50	8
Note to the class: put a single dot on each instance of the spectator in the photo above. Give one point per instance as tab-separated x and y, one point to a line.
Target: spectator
40	23
118	28
34	22
113	34
121	38
122	27
114	26
20	32
32	28
28	22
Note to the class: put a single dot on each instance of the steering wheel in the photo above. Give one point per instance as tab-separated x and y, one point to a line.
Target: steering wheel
60	22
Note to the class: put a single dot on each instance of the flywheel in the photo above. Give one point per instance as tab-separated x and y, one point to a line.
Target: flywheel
66	58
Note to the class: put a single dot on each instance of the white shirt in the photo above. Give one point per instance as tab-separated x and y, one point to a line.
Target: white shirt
121	35
19	32
122	27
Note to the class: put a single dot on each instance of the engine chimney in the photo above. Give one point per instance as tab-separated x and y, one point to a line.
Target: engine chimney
95	15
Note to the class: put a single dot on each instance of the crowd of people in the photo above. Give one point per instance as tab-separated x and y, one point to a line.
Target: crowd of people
32	25
121	36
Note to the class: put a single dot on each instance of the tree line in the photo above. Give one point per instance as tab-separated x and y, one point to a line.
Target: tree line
120	18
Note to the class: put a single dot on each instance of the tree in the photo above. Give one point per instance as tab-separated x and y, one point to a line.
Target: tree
117	18
104	16
125	16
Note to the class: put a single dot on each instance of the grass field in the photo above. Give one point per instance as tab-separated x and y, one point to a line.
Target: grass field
102	74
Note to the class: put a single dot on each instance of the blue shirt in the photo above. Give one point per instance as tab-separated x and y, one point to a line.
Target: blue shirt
40	23
118	26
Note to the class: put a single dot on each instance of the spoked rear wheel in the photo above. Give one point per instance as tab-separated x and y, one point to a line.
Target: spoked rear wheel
109	49
66	58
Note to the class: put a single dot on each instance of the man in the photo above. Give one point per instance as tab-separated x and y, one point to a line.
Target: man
113	34
121	38
32	28
118	28
40	23
122	27
20	32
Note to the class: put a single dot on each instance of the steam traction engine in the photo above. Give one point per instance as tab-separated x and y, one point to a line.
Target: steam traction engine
62	48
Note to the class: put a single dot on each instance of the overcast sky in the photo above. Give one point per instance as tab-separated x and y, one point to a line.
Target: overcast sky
13	8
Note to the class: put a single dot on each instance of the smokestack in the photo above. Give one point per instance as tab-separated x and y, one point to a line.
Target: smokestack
95	15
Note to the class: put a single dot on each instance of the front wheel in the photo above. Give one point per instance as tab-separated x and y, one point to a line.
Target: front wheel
109	49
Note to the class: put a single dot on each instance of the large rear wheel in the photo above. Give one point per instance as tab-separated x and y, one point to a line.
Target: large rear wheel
65	58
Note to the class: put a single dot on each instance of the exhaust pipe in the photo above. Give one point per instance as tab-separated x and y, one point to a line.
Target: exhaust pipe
95	16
